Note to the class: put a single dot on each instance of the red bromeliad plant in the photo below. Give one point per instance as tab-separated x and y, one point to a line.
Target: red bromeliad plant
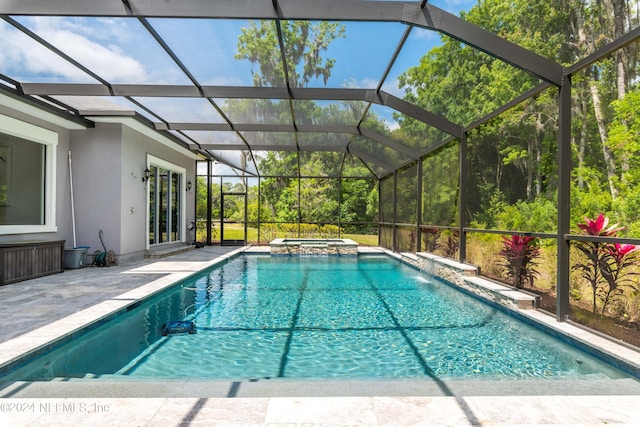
451	244
604	262
598	227
615	271
518	259
431	236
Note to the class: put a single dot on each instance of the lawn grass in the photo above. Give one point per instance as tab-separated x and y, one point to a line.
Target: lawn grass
236	232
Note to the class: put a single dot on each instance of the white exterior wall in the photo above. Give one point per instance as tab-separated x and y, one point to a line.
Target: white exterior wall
136	148
108	161
34	116
96	155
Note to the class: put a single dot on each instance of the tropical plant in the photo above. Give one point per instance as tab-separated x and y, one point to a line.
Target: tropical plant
430	236
604	262
615	270
519	255
451	243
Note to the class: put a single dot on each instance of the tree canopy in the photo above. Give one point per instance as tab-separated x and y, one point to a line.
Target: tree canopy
512	182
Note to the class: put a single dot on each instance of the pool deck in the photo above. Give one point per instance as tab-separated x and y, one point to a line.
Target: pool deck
36	311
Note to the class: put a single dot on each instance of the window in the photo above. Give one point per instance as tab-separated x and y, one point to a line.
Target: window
27	177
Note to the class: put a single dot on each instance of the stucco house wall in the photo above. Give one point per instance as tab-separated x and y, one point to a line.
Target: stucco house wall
136	147
33	115
108	165
96	155
108	157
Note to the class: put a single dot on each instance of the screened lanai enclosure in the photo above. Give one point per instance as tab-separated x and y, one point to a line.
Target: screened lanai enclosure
503	134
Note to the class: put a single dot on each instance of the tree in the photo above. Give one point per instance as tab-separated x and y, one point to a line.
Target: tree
511	157
304	44
304	52
624	142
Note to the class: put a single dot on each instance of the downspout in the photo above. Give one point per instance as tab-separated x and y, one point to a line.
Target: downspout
73	213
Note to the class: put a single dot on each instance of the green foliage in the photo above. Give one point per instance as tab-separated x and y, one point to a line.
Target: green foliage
201	197
592	197
538	216
407	195
306	41
441	189
492	202
319	200
372	209
624	141
513	155
286	206
358	200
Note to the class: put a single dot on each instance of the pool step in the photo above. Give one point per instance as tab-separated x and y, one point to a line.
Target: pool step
501	294
169	250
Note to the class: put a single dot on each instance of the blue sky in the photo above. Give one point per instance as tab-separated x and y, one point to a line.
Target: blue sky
120	50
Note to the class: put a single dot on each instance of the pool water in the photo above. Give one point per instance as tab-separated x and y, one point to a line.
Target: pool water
260	317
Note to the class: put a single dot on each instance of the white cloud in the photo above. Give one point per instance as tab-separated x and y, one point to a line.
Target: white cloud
369	83
424	34
182	109
106	60
364	83
21	57
220	80
393	88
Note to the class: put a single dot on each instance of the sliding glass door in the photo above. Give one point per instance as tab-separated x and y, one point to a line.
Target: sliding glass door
166	223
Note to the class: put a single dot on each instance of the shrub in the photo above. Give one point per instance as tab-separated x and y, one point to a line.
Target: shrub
518	259
430	236
605	263
451	243
615	270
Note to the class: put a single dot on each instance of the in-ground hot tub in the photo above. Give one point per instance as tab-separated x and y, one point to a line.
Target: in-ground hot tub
290	246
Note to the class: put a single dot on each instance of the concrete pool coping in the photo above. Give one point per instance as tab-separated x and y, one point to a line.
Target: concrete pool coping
313	246
269	402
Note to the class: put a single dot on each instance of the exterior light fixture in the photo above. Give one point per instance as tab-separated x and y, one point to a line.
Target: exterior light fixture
189	185
145	175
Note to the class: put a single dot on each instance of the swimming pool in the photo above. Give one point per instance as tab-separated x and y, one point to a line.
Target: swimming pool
262	317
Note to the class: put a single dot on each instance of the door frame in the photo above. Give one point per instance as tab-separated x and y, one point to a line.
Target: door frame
182	226
224	242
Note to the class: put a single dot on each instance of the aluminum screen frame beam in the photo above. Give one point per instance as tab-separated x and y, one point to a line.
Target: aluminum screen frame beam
247	92
219	9
364	157
249	127
412	13
443	22
418	113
